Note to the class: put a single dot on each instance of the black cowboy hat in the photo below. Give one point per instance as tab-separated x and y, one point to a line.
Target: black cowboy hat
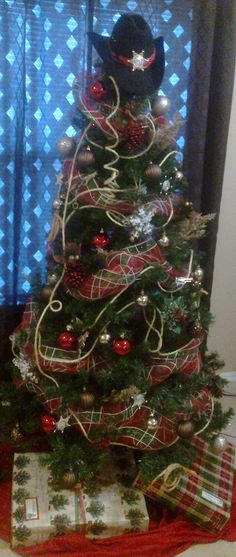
131	55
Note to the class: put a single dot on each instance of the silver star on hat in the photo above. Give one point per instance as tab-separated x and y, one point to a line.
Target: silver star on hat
137	61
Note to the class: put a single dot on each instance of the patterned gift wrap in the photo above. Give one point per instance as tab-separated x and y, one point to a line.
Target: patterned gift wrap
204	493
104	508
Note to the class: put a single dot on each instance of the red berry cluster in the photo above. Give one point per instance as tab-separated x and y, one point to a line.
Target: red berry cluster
133	135
75	274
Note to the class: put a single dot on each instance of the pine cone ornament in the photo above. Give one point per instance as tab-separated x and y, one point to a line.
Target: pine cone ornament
75	274
133	135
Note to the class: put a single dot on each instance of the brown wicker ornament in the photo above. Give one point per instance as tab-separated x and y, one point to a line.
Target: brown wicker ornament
85	159
186	429
86	400
69	478
153	172
46	292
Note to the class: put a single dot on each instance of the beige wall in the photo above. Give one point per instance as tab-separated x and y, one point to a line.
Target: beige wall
223	302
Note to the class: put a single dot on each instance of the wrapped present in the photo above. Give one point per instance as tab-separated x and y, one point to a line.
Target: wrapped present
103	508
203	493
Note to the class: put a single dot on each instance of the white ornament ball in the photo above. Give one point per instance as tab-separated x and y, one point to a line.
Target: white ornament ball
219	443
66	146
161	105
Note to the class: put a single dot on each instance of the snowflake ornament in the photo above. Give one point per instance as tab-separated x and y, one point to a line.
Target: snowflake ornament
140	222
24	366
62	424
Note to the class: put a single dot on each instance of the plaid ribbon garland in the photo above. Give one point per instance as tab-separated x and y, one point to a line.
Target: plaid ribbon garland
205	497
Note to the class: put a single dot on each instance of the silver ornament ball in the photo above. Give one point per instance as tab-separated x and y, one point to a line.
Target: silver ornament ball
152	423
161	105
57	204
164	242
219	443
66	146
142	299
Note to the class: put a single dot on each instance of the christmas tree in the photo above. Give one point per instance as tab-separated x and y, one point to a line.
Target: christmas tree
112	348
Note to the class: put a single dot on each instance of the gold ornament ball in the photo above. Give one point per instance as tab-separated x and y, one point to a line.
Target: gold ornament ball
86	400
69	478
142	299
152	423
52	279
153	172
219	443
104	337
16	435
186	429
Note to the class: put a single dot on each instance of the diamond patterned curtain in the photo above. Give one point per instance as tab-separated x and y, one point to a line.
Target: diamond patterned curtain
43	46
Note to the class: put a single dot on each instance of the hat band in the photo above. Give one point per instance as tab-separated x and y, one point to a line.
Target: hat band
137	62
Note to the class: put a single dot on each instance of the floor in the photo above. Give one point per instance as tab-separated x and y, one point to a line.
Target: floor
221	548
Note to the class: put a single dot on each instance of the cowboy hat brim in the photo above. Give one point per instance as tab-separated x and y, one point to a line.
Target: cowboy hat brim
137	82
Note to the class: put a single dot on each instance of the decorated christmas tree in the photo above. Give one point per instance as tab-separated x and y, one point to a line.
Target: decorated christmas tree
111	352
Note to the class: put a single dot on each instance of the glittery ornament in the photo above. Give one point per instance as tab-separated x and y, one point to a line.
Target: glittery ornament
219	443
69	479
57	204
66	146
104	337
97	91
160	105
86	399
142	299
100	240
164	241
67	340
48	423
153	172
197	330
122	346
16	435
186	429
85	158
196	284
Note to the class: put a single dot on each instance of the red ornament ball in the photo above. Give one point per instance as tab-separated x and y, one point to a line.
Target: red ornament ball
67	340
97	91
100	240
48	423
122	346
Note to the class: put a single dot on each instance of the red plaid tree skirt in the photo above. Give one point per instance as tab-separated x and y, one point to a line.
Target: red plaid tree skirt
169	534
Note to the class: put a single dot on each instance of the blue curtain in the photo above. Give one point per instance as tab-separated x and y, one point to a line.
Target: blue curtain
43	50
